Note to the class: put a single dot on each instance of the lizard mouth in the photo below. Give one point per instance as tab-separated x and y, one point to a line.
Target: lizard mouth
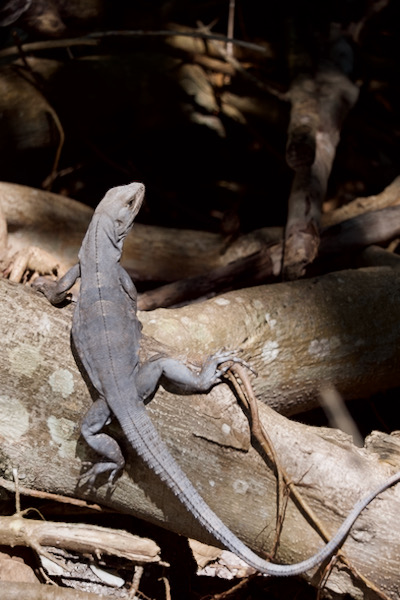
136	205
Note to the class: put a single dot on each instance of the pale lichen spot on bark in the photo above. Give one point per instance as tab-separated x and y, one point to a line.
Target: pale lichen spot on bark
204	318
44	324
221	301
319	347
62	382
270	321
323	347
61	431
24	359
226	428
257	304
14	419
270	351
240	486
197	329
166	329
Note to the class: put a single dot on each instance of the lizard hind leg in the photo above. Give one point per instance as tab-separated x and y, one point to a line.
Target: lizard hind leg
112	459
182	376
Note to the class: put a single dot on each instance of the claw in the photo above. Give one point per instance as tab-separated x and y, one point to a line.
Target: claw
229	356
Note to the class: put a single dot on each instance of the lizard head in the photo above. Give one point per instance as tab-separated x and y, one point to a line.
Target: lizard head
122	204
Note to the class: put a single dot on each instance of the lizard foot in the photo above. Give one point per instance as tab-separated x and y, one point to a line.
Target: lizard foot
88	478
212	371
48	288
226	358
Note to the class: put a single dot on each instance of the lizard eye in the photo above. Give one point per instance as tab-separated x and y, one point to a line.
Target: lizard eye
130	202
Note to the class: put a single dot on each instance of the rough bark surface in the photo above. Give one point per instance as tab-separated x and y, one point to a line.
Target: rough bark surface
44	397
342	328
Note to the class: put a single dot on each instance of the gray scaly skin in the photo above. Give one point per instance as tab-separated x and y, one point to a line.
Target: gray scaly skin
106	333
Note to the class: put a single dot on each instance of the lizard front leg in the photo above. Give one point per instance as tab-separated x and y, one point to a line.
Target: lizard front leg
182	376
57	291
97	416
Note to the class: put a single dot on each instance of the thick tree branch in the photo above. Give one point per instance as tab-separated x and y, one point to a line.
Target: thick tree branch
44	397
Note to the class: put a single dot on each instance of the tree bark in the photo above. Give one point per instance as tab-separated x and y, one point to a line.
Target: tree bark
43	398
300	335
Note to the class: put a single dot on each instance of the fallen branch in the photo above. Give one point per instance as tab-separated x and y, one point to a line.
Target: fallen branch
375	227
352	321
95	38
320	104
79	537
199	263
390	196
39	432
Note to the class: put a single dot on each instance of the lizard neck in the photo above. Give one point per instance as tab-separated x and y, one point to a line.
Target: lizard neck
101	244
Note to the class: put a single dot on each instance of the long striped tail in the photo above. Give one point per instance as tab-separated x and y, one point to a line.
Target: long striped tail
144	438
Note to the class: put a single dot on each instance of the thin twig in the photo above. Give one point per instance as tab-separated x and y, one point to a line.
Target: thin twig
246	394
167	588
338	414
137	576
231	25
7	485
94	39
